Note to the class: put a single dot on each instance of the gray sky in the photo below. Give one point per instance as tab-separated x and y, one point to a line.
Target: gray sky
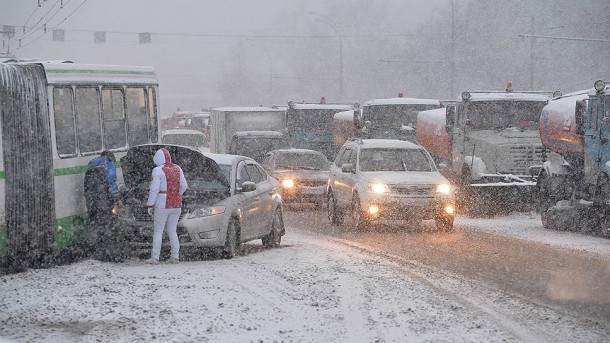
194	43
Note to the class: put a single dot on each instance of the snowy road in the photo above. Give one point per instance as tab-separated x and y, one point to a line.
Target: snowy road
323	285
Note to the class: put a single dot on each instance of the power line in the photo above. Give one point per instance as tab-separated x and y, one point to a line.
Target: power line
54	27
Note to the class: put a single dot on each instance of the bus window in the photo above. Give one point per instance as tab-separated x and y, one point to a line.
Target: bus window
152	115
136	116
87	114
65	131
113	110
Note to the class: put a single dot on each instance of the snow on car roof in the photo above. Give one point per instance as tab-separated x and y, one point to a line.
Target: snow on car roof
297	151
224	159
389	143
402	101
181	132
322	107
258	134
75	73
246	109
474	96
565	104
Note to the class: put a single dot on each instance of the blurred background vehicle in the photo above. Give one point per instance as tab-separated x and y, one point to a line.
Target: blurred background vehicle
184	137
302	174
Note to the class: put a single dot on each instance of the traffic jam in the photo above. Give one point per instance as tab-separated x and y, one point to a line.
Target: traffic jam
479	216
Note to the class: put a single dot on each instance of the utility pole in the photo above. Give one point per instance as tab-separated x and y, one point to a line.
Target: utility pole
327	20
452	76
532	46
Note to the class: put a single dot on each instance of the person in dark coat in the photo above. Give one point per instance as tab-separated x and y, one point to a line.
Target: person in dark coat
102	196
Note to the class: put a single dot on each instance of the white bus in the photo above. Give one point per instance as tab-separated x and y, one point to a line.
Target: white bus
55	117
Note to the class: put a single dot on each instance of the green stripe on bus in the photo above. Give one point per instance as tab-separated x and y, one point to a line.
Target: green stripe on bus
73	230
66	171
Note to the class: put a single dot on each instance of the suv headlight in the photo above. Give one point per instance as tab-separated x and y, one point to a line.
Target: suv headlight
288	183
379	188
206	212
443	188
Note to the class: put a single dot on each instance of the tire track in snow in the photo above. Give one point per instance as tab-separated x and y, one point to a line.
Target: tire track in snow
481	297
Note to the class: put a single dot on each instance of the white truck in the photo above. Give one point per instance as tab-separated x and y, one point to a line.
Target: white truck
264	126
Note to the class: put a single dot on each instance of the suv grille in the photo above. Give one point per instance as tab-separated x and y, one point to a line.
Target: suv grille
312	183
424	191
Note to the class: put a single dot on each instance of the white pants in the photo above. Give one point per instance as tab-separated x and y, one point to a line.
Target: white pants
166	218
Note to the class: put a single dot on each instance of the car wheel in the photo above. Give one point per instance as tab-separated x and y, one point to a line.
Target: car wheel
274	238
333	213
444	223
359	222
232	245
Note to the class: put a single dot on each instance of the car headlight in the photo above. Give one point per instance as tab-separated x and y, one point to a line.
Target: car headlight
288	183
379	188
443	188
207	211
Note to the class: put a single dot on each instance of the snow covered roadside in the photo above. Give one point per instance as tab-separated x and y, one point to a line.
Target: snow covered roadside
529	227
310	290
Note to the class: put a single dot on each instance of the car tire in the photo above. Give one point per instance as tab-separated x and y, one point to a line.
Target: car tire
359	222
333	212
274	238
232	244
444	223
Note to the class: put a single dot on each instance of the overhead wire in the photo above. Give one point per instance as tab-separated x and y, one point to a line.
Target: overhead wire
54	27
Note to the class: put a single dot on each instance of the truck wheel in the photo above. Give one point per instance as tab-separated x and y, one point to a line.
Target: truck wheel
334	215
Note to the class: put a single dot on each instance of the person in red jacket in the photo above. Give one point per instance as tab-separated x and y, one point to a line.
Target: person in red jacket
165	203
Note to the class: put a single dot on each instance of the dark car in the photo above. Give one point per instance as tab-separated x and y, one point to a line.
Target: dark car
302	173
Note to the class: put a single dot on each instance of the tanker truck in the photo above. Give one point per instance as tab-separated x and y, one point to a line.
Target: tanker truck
575	192
488	144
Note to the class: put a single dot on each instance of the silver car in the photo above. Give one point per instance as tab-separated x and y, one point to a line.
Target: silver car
230	200
375	180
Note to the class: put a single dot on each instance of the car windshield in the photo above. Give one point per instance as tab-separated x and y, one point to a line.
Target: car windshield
185	139
295	161
374	159
226	171
498	115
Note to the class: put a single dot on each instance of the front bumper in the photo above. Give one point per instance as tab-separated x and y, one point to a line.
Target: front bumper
304	194
205	232
395	207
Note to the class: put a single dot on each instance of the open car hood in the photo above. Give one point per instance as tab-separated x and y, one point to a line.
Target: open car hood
138	164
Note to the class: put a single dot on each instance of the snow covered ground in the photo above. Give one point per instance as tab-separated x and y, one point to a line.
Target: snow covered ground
313	289
529	227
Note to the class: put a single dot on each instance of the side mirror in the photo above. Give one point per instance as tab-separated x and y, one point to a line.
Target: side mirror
247	186
348	168
122	188
580	116
442	167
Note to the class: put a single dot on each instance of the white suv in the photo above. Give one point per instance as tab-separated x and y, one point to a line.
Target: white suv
382	179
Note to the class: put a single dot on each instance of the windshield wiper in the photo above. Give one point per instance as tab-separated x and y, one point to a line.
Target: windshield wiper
404	165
